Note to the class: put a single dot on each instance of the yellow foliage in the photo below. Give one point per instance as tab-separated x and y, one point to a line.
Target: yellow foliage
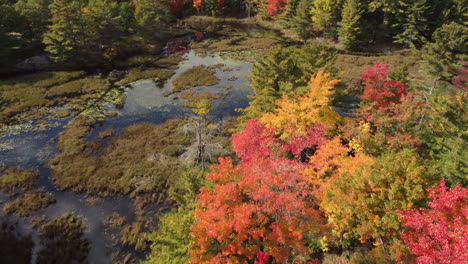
202	107
295	114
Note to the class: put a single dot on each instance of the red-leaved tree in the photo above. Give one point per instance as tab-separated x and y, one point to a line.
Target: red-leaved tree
275	7
262	205
439	235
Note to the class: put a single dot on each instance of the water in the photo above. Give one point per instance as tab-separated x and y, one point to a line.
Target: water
145	102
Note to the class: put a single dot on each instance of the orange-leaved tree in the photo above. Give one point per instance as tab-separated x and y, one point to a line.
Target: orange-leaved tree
262	205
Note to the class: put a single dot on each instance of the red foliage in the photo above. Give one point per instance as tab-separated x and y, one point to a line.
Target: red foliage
176	6
380	90
198	4
460	81
262	257
392	112
439	234
220	4
255	142
263	204
315	137
274	7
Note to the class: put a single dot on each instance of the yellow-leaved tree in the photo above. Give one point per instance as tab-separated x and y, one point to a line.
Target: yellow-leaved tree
295	114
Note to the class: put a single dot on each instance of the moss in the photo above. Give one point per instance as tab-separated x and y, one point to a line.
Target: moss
31	201
15	180
143	158
195	76
158	75
64	241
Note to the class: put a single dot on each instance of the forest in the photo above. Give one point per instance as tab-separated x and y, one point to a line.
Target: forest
234	131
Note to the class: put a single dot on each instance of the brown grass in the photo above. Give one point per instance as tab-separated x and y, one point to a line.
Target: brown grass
144	158
195	76
15	180
31	201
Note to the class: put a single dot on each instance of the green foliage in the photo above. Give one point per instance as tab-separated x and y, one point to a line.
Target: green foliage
150	15
66	36
283	70
412	22
364	204
447	50
349	26
173	240
445	134
297	17
34	17
324	15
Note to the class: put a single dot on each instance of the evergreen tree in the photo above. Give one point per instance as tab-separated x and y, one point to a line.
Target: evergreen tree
324	15
447	50
67	34
412	22
445	136
349	27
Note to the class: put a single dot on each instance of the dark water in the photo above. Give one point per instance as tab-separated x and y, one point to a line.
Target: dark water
145	102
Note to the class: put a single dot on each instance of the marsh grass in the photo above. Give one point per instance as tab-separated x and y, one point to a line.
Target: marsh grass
29	202
142	159
157	75
150	61
15	248
15	180
61	114
64	241
352	66
26	92
196	76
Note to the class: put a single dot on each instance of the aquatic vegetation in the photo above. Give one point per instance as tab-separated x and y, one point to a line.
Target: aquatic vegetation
158	75
16	248
64	241
143	158
193	77
133	235
115	220
106	134
61	114
29	202
24	92
15	180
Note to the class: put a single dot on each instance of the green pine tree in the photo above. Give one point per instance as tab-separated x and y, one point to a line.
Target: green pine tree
66	35
412	22
350	25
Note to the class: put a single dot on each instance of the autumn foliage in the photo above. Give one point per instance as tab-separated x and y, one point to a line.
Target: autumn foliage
439	234
274	7
309	180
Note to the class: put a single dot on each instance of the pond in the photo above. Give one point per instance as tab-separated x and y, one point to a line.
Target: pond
145	101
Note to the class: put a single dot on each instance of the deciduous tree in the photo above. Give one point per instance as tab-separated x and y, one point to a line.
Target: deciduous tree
439	234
